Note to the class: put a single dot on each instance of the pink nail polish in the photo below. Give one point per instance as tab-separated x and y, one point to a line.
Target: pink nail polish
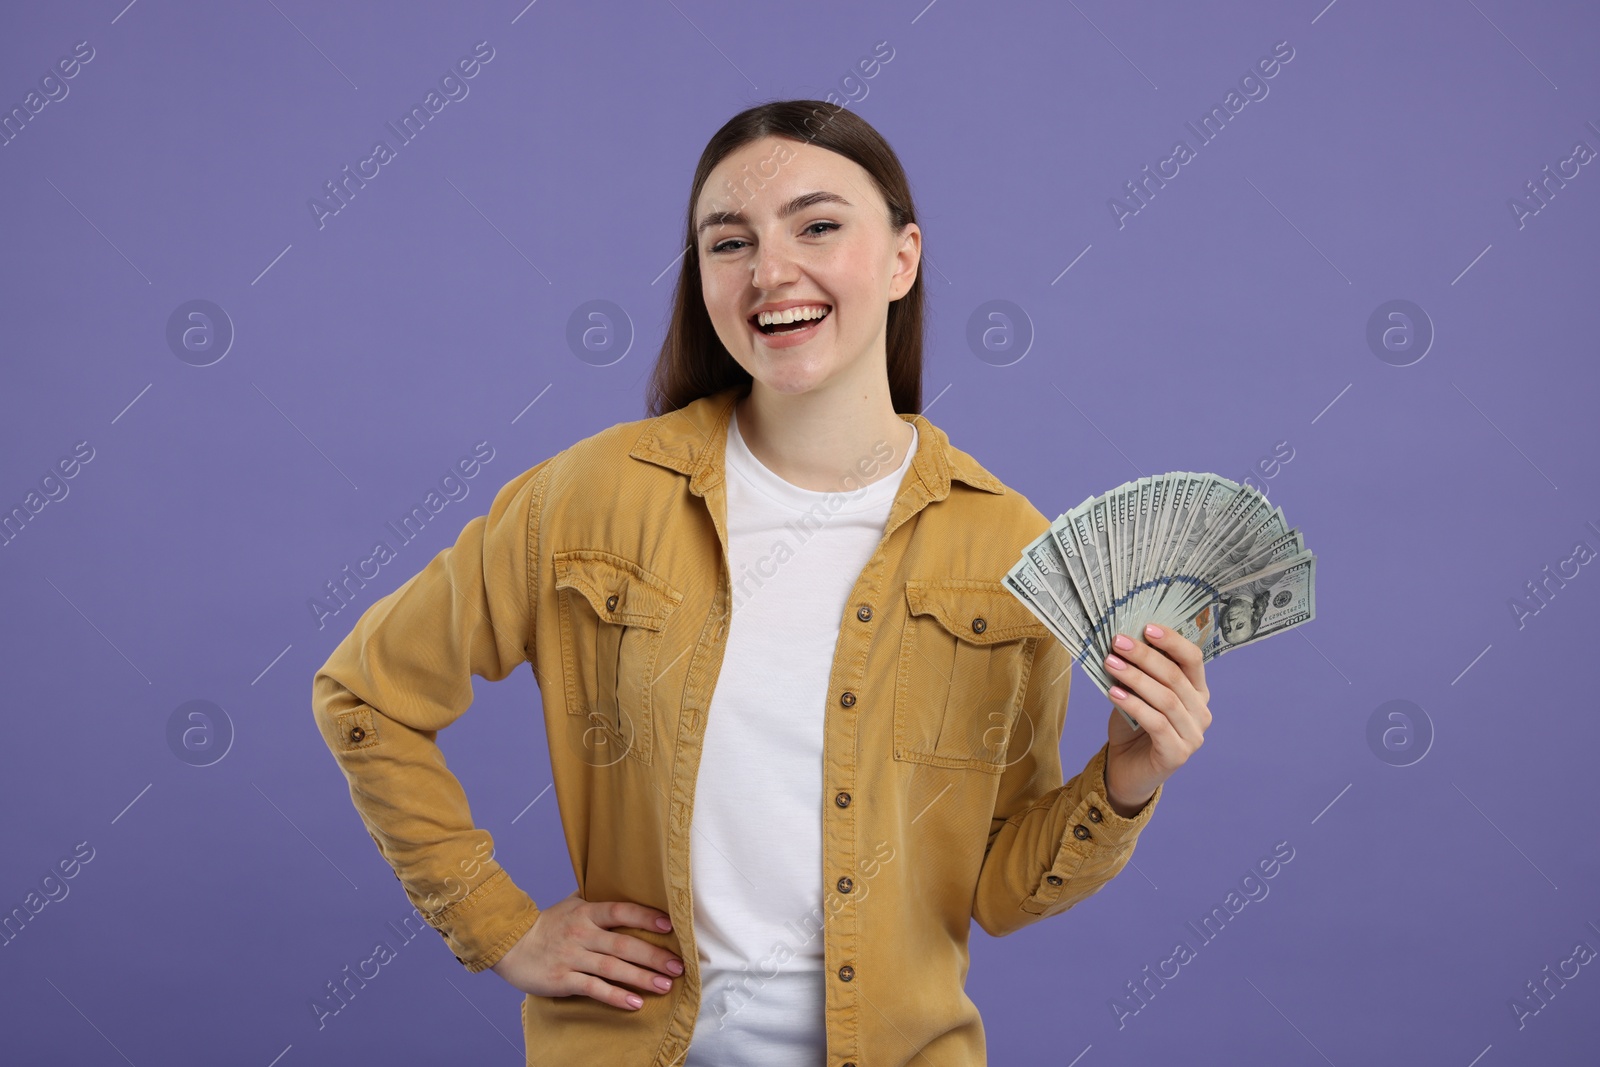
1123	641
1154	631
1115	663
1118	692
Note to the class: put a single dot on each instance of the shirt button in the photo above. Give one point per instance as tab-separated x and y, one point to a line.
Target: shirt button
846	973
611	602
845	885
1054	879
1081	832
357	733
864	613
842	799
1094	814
979	625
848	699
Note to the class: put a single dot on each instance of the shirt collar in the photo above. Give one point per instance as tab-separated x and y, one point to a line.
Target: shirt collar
693	440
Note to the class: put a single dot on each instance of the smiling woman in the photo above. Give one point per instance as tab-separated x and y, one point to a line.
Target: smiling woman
734	771
806	260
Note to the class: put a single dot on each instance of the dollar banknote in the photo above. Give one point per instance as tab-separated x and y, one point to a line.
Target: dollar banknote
1194	552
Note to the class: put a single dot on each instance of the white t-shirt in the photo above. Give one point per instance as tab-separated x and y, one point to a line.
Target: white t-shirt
756	833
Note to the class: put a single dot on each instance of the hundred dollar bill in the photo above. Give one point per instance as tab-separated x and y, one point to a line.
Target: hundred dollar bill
1069	624
1193	551
1260	607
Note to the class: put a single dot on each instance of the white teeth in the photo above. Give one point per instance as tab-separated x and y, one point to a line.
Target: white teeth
775	318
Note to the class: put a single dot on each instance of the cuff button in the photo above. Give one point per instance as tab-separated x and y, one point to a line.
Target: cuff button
357	734
1081	832
1094	814
1054	879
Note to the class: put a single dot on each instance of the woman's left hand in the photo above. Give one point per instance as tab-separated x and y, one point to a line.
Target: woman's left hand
1163	679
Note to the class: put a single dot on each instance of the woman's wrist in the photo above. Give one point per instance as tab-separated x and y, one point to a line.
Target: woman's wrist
1127	811
1121	807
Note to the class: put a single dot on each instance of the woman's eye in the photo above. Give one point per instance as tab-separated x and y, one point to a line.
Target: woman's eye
729	245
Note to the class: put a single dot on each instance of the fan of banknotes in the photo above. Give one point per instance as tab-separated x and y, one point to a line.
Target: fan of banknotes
1197	553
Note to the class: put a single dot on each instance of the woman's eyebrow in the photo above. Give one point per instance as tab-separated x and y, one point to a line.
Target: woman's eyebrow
799	203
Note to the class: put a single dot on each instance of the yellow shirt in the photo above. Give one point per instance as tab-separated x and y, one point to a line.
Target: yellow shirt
604	566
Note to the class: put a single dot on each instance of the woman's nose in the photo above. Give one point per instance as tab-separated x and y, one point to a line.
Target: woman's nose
774	268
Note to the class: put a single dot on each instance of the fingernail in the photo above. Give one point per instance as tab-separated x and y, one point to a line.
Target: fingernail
1116	664
674	966
1118	692
1154	631
663	984
663	924
635	1002
1123	641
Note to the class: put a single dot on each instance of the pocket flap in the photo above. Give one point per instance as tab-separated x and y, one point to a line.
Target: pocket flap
976	611
619	591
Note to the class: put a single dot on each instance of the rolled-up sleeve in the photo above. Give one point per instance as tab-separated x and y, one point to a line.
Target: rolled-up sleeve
403	673
1051	845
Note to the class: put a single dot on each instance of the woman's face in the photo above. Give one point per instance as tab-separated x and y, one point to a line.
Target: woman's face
836	252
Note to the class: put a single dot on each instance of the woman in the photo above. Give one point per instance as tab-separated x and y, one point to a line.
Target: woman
767	621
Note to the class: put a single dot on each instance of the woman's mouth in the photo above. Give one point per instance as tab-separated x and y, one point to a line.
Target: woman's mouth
805	322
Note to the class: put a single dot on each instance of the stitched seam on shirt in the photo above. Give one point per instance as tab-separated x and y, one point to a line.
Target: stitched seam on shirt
501	947
465	904
926	600
535	523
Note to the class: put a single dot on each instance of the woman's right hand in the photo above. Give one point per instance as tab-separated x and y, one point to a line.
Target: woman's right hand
571	949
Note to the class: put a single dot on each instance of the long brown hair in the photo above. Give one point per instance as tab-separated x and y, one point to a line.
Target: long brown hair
693	362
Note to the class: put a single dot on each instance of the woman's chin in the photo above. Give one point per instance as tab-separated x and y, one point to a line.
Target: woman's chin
802	375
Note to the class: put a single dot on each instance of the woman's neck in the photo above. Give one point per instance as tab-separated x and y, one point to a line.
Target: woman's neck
826	442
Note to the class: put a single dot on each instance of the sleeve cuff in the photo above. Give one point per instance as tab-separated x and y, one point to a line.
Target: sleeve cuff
1093	824
1113	828
482	926
1096	842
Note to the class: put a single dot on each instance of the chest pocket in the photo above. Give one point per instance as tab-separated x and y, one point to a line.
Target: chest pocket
964	661
613	620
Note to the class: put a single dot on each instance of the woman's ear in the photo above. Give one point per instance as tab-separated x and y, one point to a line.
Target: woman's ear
908	258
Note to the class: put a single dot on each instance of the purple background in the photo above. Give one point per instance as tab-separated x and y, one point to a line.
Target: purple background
1228	315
